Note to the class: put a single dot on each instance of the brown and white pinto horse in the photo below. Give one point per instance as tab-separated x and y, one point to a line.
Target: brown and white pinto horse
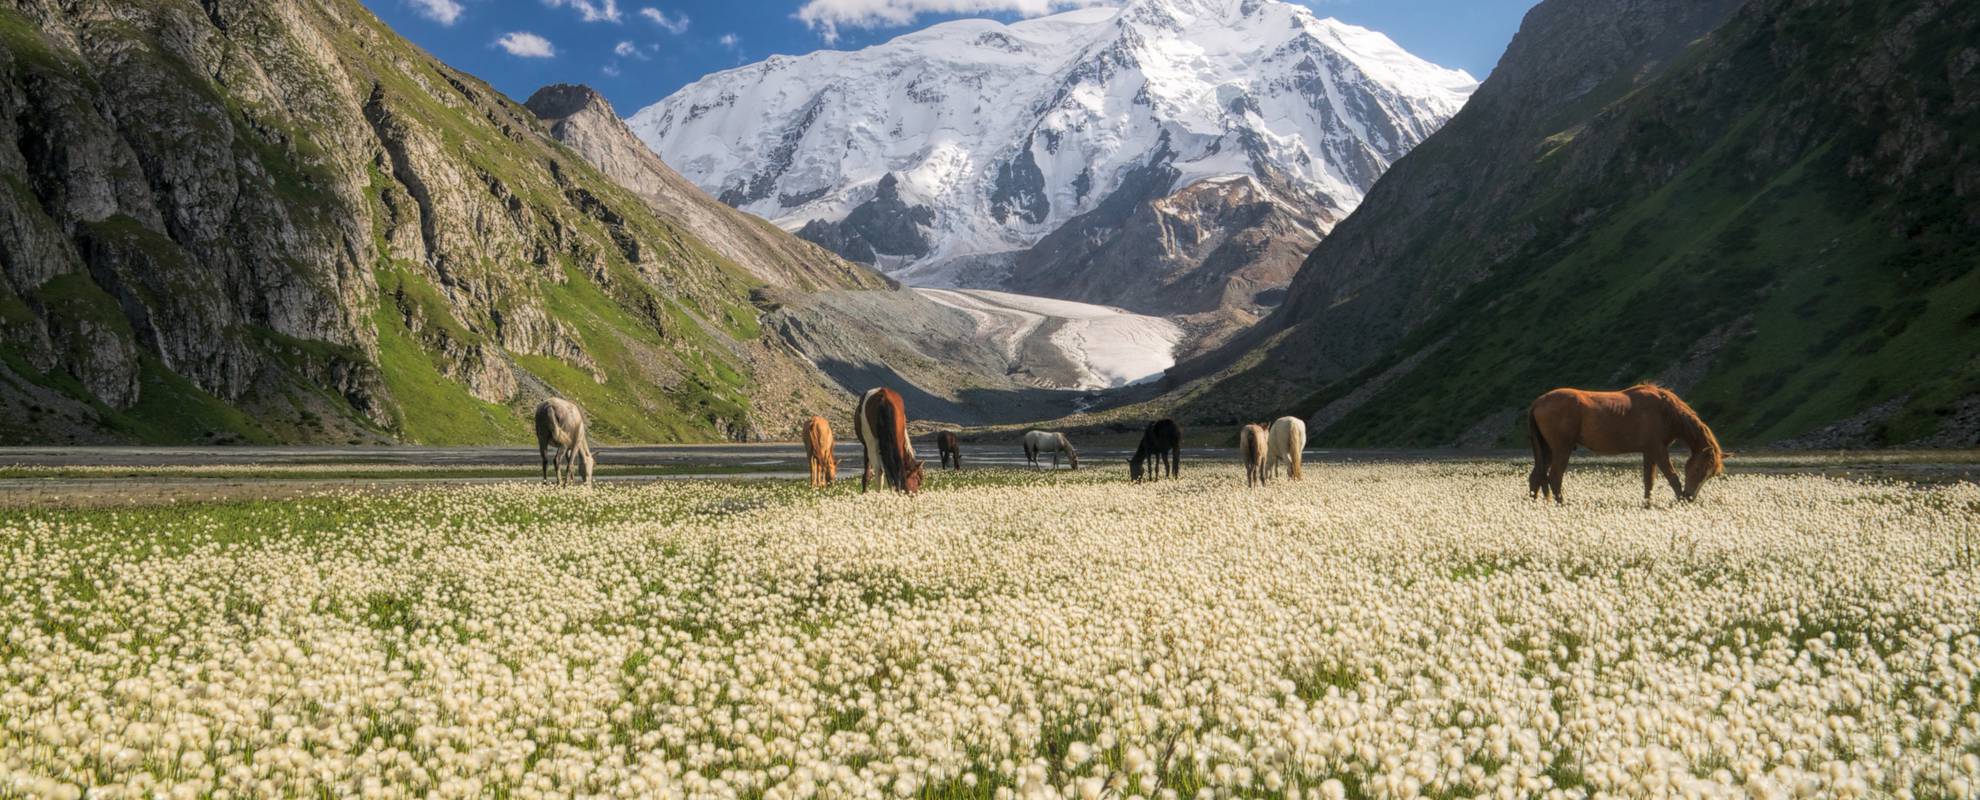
1645	418
950	446
818	451
881	423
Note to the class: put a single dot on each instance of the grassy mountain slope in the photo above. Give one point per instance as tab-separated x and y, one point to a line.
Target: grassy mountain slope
276	220
1780	218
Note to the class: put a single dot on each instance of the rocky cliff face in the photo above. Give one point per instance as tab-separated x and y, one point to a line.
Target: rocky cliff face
277	220
1772	203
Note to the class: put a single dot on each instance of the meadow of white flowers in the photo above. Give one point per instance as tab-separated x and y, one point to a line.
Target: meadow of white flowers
1375	631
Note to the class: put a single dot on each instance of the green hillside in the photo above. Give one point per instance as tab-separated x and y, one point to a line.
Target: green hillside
1781	219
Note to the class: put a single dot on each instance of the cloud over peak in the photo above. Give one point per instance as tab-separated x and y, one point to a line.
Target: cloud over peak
444	12
827	16
524	44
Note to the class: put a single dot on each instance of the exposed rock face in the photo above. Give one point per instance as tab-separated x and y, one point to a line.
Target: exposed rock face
582	119
1764	198
1219	252
884	225
276	220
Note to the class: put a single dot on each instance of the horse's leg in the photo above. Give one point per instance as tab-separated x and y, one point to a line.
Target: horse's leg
543	451
1556	471
865	471
1649	477
1663	457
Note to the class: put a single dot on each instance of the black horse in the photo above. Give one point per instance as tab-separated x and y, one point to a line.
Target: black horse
950	448
1162	437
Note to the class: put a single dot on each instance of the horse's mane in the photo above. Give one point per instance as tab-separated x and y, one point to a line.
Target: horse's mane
1697	435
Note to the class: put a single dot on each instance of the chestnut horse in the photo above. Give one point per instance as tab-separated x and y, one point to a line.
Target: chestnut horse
1251	450
881	423
818	451
1162	440
1645	418
950	447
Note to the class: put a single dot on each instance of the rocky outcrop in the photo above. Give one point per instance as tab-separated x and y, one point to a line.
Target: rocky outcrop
1217	253
277	220
883	225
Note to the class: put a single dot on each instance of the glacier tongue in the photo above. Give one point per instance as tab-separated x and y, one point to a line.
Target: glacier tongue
997	134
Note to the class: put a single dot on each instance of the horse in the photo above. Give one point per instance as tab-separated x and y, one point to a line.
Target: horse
881	423
950	447
1162	440
1251	450
818	451
1287	445
1036	442
560	424
1645	418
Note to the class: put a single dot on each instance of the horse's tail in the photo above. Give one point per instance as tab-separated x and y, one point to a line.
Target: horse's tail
1541	453
891	439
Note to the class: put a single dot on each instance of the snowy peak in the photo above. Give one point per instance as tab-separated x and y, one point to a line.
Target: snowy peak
990	136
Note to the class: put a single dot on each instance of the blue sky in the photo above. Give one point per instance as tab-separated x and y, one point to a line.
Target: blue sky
638	51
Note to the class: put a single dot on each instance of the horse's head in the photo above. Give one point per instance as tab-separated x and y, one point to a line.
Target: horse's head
1134	467
1700	467
912	480
587	464
1073	456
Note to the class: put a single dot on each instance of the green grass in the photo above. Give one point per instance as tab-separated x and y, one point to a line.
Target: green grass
429	408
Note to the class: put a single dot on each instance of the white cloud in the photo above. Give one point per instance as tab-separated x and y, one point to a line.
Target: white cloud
590	10
441	11
526	45
729	40
626	49
674	24
827	16
610	70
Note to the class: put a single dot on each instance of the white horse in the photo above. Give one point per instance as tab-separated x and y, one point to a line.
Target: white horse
1288	440
560	424
1036	442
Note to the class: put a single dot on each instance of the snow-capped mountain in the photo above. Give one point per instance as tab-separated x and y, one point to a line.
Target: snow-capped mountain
966	143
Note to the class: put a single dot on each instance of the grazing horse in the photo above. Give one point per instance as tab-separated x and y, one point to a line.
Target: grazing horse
560	424
1036	442
1645	418
818	451
1251	450
1161	440
1286	445
950	447
881	423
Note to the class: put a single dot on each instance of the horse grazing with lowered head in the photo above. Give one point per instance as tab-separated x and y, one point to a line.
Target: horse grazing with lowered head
881	423
560	425
1286	444
1036	442
1645	418
1161	440
950	448
1251	450
818	451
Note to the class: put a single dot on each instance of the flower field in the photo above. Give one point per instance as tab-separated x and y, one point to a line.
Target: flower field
1374	631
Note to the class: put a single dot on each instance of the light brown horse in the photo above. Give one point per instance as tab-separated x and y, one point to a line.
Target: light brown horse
818	450
1252	447
881	423
1645	418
